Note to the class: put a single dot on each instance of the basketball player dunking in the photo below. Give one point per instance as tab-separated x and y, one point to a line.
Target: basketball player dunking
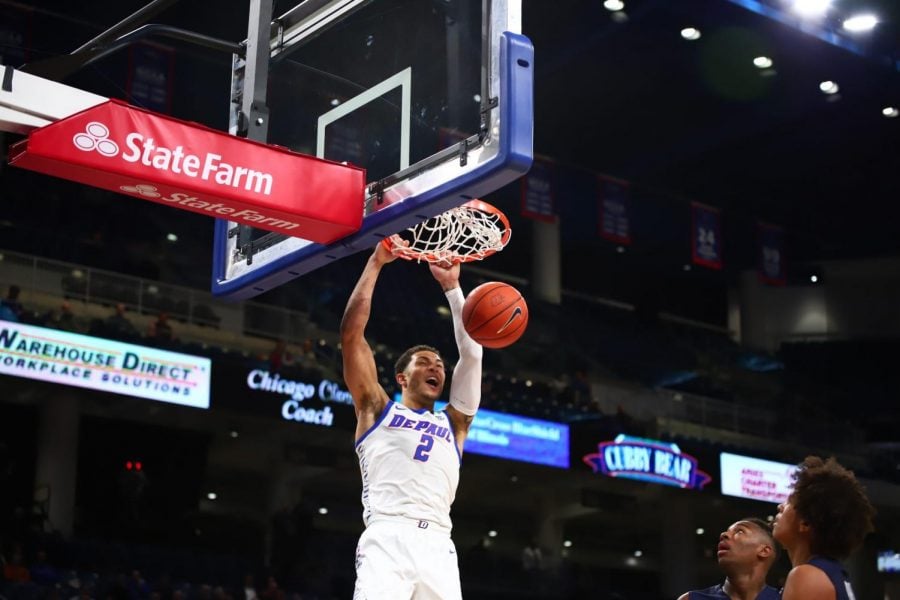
409	455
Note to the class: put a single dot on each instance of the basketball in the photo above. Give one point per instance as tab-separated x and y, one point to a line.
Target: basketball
495	314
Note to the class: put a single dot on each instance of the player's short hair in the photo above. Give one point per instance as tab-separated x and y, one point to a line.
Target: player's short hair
406	357
766	528
830	498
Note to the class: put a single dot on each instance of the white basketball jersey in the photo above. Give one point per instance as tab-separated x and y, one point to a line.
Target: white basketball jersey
410	466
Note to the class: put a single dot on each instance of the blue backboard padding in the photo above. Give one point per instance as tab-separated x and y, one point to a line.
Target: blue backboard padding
514	158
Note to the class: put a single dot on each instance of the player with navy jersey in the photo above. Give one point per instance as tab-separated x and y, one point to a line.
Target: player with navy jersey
746	552
826	518
409	455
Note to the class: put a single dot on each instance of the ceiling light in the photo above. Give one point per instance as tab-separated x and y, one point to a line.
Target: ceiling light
567	544
212	496
858	23
690	33
829	87
700	531
492	533
890	112
762	62
335	102
233	433
814	278
812	8
323	510
613	5
638	553
171	237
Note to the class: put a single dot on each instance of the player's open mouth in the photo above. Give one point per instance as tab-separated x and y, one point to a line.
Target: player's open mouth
432	381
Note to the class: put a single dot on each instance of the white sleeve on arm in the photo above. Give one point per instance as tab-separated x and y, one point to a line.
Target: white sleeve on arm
465	389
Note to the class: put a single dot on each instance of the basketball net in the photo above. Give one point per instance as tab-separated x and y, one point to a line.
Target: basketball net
472	231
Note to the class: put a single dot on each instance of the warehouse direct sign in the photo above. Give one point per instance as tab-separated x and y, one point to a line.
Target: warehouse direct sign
105	365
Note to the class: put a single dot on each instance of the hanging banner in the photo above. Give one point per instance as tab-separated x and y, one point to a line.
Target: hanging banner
537	192
706	236
150	77
615	224
152	157
772	268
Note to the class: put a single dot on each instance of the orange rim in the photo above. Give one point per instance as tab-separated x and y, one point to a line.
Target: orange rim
476	204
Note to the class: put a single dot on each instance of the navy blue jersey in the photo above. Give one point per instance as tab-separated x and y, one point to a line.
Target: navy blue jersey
837	575
717	593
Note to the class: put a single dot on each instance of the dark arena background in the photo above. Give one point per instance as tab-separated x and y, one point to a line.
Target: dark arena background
709	246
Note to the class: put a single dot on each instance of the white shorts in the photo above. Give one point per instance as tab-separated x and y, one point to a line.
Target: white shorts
399	559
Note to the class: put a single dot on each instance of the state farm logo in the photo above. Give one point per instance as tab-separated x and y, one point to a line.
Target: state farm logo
143	189
96	137
145	152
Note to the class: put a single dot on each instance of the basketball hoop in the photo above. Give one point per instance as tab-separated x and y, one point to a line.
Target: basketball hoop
472	231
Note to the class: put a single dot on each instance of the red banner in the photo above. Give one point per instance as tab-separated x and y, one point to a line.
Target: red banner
132	151
772	267
538	200
614	223
151	72
706	236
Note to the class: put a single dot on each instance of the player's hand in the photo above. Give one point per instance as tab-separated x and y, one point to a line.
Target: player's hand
383	254
446	274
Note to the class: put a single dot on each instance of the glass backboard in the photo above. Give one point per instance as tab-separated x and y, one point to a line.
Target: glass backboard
433	98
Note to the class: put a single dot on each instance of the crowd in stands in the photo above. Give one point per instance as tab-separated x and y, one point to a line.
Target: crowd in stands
549	375
317	566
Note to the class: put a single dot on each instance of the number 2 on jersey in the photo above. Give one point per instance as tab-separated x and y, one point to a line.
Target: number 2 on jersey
424	448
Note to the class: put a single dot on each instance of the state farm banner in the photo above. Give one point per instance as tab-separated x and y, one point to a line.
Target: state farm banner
537	192
614	223
136	152
105	365
706	236
772	268
150	73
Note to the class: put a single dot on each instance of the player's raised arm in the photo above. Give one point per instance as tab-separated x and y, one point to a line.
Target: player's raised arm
360	372
465	388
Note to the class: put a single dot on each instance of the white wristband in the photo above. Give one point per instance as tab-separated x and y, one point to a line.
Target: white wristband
465	389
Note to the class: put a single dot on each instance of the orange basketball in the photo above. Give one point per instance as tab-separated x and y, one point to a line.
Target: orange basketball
495	314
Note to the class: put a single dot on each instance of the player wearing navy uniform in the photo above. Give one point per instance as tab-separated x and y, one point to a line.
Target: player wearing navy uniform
746	552
826	518
409	455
